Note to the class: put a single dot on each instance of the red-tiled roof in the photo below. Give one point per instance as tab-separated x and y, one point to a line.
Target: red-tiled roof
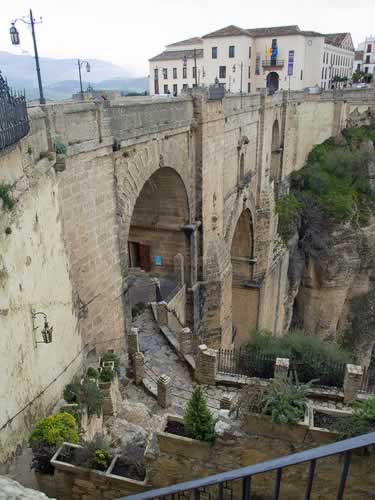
170	55
227	31
336	39
190	41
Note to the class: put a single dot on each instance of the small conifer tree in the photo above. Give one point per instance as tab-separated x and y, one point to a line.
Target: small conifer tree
198	419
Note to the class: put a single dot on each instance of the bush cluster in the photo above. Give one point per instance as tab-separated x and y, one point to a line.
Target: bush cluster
310	357
87	394
333	183
362	420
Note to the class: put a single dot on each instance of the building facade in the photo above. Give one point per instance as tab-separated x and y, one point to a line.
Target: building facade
364	60
248	60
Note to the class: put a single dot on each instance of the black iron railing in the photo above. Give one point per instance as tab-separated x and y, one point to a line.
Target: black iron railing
254	363
237	484
14	123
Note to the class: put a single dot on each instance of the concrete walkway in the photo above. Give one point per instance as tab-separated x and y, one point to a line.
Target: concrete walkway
161	359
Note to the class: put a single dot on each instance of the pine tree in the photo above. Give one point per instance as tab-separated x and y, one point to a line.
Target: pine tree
198	419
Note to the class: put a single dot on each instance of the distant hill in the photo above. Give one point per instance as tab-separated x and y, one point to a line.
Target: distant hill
60	76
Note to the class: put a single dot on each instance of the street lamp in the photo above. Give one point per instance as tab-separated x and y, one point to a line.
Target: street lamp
234	70
88	69
15	39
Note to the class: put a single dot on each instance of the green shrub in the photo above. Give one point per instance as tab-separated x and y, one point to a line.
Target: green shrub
59	147
310	357
92	373
288	209
360	422
91	397
6	196
198	419
111	356
285	401
106	375
75	411
355	136
54	430
72	392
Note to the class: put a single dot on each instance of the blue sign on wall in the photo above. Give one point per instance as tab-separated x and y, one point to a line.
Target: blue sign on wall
290	62
158	260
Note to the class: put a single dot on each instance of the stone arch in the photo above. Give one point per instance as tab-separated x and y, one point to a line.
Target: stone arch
245	294
132	171
275	168
272	82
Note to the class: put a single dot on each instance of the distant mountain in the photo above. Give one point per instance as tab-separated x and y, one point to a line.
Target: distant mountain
60	76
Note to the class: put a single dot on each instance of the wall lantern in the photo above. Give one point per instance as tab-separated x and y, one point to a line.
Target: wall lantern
46	331
14	35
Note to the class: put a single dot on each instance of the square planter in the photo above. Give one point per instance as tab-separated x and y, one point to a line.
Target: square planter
123	482
173	444
258	423
320	433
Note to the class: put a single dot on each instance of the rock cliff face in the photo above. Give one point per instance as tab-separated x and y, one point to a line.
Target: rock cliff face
332	278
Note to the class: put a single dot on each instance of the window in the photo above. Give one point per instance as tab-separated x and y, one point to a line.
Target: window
175	89
214	52
194	85
165	73
222	71
325	74
222	85
194	71
185	86
166	90
257	65
249	72
322	73
156	73
249	52
174	73
369	47
359	67
301	74
231	50
184	72
367	60
366	69
249	88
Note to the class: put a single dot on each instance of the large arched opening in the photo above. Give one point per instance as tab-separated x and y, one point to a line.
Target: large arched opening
244	291
158	245
275	168
272	82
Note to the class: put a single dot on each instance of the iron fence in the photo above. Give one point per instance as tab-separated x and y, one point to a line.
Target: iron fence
14	122
254	363
245	362
238	483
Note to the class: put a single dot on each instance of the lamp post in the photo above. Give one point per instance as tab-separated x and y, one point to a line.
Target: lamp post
234	70
88	69
15	39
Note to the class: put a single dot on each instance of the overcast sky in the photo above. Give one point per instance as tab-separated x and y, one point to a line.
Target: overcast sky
128	32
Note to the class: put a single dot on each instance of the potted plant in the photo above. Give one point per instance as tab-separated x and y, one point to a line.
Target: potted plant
92	374
60	150
95	454
193	435
106	376
112	357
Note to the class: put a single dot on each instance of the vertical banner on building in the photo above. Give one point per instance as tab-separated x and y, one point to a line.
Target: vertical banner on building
290	62
257	65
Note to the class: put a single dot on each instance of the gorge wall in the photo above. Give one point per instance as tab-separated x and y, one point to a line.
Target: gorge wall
223	163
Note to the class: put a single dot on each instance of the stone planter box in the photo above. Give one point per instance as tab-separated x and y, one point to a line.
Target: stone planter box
321	434
262	424
173	444
80	483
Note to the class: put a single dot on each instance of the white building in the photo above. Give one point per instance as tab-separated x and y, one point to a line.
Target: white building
365	56
251	59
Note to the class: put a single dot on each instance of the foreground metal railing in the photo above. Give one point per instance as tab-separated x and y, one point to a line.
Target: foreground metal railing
14	122
214	487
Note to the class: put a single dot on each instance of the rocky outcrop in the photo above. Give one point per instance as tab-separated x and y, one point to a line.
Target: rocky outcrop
332	279
11	490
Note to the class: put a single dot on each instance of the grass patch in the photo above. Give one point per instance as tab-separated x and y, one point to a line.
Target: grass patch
6	196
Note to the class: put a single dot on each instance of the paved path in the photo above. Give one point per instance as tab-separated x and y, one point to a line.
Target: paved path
161	359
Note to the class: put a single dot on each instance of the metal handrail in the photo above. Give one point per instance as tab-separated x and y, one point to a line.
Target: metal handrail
245	473
14	122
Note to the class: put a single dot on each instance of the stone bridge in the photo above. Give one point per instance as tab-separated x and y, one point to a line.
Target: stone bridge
145	180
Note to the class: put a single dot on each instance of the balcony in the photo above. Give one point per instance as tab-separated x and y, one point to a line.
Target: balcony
273	63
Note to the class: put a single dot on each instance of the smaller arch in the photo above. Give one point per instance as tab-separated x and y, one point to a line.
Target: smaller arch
272	82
